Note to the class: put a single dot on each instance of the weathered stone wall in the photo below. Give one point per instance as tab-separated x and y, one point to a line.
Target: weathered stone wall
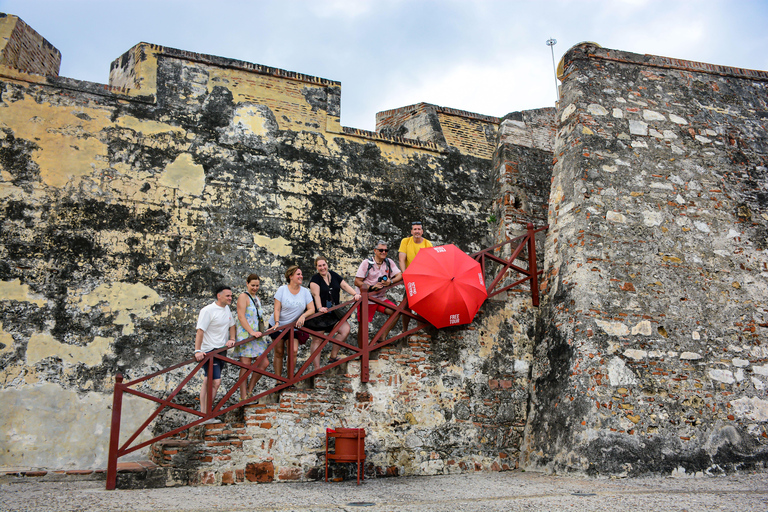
124	205
522	167
23	48
652	351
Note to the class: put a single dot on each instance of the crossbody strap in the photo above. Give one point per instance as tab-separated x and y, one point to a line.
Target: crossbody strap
256	306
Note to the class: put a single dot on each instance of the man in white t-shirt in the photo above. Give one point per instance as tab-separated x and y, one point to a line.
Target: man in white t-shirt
215	329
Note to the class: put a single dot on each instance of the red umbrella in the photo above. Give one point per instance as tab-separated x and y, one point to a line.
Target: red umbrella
445	286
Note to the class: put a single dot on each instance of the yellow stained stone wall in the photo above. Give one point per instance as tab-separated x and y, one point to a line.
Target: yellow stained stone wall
124	205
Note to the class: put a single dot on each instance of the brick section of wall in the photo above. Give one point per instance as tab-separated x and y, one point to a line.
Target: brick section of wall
418	122
473	134
297	101
652	352
25	49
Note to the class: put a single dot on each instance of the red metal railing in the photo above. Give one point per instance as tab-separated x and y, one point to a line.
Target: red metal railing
293	375
530	274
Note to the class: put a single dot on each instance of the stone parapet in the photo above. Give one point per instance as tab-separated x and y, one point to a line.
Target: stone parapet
470	133
24	49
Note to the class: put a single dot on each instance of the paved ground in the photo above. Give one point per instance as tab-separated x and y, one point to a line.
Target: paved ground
506	491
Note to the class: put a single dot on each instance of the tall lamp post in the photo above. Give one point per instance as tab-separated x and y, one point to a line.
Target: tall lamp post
551	42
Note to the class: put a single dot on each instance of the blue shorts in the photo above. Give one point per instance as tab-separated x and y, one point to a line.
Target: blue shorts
218	365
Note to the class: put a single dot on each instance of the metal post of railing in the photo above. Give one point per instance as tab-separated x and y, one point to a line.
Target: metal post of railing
532	265
208	406
291	358
114	433
362	330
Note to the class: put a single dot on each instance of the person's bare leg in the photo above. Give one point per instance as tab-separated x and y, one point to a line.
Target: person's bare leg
204	396
391	325
204	393
340	335
278	361
244	391
216	384
312	346
406	318
255	377
295	352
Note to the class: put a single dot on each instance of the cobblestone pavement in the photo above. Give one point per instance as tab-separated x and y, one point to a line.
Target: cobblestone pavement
507	491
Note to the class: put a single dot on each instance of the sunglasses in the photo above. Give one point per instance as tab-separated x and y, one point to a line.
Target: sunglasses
382	250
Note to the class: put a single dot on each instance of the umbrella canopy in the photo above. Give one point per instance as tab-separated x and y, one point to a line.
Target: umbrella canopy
445	286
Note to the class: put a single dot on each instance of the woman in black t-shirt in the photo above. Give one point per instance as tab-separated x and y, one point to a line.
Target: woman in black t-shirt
325	287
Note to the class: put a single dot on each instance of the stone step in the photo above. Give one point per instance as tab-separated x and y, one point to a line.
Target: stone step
130	475
205	450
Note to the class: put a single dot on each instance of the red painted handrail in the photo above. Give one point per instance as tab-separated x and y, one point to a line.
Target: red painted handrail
362	350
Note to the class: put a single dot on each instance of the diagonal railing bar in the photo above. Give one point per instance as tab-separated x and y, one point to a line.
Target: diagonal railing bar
363	350
528	241
507	264
164	403
510	287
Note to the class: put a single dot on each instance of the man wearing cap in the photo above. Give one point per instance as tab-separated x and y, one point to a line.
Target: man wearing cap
409	248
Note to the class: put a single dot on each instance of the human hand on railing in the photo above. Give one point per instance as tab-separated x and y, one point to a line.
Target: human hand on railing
300	322
230	343
323	309
199	355
357	296
257	334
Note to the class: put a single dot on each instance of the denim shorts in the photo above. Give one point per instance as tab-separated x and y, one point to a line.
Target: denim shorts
218	365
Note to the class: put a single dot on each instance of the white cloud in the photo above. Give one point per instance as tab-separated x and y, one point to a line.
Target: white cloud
485	56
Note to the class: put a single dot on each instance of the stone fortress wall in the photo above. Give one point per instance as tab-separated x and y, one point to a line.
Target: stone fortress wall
123	204
651	354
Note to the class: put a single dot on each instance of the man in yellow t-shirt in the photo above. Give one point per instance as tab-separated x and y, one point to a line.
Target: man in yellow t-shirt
409	248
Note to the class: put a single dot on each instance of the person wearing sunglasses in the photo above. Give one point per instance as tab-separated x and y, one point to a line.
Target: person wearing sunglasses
375	275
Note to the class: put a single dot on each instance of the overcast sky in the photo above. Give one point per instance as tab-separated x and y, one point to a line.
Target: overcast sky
484	56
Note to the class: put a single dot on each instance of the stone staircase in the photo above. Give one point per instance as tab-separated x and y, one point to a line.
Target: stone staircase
241	448
430	407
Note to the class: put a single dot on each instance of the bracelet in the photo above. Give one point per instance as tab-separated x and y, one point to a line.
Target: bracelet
196	351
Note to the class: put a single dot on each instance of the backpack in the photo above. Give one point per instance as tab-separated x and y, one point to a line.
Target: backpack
370	265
